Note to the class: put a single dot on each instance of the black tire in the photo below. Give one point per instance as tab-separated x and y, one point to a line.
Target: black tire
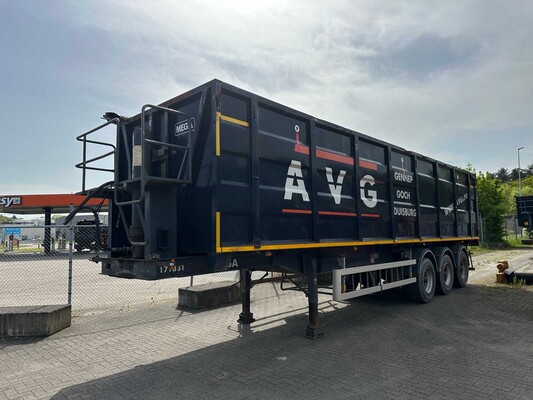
423	290
446	276
461	274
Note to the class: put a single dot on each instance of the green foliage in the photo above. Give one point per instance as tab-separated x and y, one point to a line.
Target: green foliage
6	219
477	250
470	168
511	190
502	175
517	282
512	241
496	197
492	205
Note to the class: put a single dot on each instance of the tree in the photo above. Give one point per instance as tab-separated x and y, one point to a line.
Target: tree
4	218
529	170
470	168
491	202
514	174
503	174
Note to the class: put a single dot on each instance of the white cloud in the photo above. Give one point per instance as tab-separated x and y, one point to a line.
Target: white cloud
322	57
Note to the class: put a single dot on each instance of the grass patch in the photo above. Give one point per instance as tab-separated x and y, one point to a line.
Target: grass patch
514	242
22	249
477	250
508	243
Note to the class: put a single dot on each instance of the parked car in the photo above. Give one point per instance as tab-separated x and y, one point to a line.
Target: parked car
88	237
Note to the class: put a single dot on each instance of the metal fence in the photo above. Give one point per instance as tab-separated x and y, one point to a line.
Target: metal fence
510	227
483	233
51	265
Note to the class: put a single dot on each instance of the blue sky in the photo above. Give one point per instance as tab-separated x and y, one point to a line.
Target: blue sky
448	79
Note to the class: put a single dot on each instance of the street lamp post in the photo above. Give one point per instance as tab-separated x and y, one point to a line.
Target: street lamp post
519	179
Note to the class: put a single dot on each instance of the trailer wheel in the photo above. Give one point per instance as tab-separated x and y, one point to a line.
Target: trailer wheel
461	276
446	275
423	290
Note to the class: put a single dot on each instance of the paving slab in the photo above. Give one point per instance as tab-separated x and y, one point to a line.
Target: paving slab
475	343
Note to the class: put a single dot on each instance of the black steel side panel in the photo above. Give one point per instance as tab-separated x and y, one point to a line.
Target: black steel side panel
318	182
274	175
524	211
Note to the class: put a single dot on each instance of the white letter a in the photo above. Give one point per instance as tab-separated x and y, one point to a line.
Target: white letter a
293	184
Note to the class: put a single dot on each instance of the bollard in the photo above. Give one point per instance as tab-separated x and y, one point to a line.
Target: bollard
500	276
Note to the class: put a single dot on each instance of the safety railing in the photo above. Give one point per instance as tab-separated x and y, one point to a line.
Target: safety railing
352	282
145	178
84	165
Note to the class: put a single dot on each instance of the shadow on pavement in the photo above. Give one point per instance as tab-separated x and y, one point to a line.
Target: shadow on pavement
377	347
8	341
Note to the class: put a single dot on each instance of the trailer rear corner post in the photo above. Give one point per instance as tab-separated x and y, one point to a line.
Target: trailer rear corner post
313	329
246	317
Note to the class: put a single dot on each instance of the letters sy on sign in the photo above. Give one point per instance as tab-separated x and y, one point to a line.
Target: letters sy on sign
8	201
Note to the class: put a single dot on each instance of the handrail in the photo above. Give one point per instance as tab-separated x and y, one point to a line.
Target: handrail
144	176
186	149
83	138
80	165
111	121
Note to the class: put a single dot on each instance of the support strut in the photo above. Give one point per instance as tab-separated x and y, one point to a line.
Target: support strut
313	329
246	317
47	243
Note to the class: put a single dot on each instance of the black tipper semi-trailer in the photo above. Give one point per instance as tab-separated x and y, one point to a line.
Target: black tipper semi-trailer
221	179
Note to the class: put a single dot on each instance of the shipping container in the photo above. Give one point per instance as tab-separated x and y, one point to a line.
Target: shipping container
221	179
524	211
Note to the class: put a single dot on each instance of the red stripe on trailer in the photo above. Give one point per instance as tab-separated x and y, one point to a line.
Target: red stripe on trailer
334	157
371	215
302	149
368	165
291	211
341	214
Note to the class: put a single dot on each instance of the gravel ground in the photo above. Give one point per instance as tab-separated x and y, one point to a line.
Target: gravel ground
485	265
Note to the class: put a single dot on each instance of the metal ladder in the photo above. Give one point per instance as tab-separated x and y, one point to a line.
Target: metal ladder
144	179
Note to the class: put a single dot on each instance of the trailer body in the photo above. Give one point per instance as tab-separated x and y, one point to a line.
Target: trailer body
524	211
219	178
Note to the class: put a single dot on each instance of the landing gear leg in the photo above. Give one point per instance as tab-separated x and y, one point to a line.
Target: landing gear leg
246	317
313	329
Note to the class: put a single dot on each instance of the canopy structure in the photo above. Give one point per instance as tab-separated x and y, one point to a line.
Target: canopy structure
40	203
46	204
